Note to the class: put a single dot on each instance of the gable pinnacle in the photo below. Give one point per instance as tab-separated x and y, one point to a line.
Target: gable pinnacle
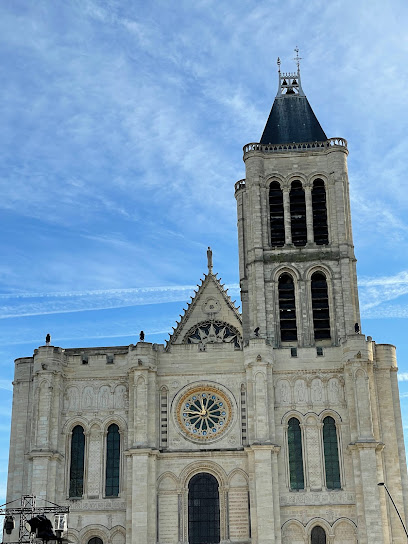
209	260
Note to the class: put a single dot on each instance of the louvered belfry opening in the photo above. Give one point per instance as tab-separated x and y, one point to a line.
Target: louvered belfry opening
203	510
276	214
320	229
287	308
298	214
320	306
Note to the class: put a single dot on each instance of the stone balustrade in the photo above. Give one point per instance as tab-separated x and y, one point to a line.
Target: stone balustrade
305	146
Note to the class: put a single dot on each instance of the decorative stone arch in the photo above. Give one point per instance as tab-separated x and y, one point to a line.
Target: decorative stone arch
94	530
292	413
238	472
345	531
295	176
168	506
68	403
73	535
317	521
118	535
118	420
332	413
293	532
283	392
141	381
220	475
88	397
119	402
274	177
288	269
310	270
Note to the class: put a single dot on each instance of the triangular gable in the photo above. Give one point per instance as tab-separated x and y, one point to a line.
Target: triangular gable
211	307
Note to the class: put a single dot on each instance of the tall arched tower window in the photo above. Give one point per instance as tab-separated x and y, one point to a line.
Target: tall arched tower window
298	214
112	461
276	215
320	306
287	308
320	229
296	475
76	473
331	453
318	535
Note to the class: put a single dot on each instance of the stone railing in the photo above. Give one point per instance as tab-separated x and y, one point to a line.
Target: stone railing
239	185
306	146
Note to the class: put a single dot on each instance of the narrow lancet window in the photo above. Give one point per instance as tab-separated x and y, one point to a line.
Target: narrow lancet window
318	535
112	461
320	306
295	454
331	453
76	473
276	215
298	214
320	229
287	308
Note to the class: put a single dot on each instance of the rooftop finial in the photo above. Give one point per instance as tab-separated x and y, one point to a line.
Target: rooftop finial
209	260
278	62
297	59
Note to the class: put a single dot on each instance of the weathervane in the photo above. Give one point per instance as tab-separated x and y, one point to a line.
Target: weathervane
297	59
278	62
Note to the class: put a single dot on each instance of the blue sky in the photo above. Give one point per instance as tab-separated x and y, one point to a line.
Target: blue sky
122	127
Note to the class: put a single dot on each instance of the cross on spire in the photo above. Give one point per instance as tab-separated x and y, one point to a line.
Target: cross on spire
297	59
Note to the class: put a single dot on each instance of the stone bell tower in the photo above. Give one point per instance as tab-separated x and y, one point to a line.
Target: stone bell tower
294	218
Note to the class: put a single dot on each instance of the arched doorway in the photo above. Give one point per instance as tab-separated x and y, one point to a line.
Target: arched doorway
318	535
203	510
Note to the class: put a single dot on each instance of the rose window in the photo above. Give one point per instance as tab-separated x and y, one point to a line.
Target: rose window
204	413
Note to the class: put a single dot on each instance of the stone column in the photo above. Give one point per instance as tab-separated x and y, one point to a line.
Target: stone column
263	518
312	434
309	214
143	496
286	213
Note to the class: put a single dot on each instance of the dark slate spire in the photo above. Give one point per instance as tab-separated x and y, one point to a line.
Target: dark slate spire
291	119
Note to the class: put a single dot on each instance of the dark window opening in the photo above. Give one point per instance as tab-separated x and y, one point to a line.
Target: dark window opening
331	454
318	535
320	229
298	214
276	215
293	352
112	461
295	454
95	540
76	473
203	510
320	306
287	308
319	351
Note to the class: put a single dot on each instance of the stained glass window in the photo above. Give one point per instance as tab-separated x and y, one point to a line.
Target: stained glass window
295	454
203	510
318	535
112	461
320	230
76	474
287	308
213	332
331	453
320	306
277	223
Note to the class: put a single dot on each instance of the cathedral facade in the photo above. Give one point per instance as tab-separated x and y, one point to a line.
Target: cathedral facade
270	427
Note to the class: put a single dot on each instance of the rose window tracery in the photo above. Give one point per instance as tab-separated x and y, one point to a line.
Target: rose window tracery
204	413
212	332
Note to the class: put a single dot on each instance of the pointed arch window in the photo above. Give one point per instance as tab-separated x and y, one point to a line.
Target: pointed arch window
76	472
287	308
331	453
298	214
318	535
276	215
320	306
112	461
320	229
296	475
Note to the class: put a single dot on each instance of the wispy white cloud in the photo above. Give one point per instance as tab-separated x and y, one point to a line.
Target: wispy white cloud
6	384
